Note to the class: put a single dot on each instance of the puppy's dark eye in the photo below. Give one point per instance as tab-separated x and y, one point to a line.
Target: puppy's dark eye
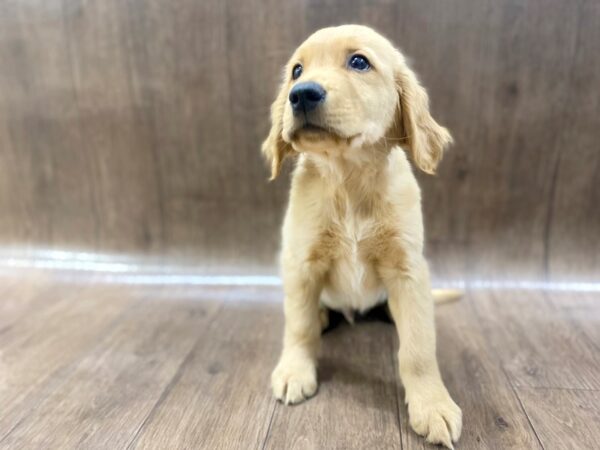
359	62
296	71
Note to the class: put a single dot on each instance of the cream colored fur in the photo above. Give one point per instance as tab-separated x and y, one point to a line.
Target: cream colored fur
353	231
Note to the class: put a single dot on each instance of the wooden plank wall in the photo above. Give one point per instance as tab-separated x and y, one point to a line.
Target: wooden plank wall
134	126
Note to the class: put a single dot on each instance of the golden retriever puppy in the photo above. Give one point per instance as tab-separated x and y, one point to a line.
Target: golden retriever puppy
348	110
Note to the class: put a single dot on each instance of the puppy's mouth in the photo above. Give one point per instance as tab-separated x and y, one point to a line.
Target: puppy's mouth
314	132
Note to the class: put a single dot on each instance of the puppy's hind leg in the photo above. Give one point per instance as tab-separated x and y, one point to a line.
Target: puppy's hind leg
432	412
295	376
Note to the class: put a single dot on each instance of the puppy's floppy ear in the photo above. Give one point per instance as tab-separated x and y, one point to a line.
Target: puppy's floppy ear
420	133
274	148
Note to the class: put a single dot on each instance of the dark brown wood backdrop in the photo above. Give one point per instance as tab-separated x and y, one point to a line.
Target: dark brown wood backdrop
134	126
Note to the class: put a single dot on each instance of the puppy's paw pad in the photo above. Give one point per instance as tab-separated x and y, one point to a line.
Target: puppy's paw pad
294	383
440	422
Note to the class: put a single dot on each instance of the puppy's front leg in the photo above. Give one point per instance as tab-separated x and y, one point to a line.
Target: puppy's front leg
432	412
295	377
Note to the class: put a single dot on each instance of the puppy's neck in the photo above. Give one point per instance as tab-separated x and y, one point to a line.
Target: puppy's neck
363	167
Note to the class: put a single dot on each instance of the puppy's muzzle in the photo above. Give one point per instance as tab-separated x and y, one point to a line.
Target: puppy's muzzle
306	97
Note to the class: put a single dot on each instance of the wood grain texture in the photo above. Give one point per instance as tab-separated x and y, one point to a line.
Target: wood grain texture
134	126
537	342
113	366
581	311
492	414
563	418
346	417
105	397
572	208
220	397
38	350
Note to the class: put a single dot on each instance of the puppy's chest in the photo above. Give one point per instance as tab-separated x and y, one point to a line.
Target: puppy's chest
352	281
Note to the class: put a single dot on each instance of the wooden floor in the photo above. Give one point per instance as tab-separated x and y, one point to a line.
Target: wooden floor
107	366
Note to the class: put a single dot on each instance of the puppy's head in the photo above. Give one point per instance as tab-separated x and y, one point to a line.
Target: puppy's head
347	88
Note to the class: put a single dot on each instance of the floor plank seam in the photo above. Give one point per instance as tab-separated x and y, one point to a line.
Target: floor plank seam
268	433
68	368
557	388
516	394
501	366
168	388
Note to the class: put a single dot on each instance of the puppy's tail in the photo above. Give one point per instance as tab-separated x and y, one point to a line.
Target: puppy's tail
446	295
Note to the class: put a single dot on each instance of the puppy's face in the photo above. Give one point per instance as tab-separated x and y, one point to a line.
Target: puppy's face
347	88
340	90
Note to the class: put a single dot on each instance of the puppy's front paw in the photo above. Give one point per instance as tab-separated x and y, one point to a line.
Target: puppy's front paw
437	418
294	381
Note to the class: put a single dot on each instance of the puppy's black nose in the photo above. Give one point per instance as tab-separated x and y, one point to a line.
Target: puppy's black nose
305	97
